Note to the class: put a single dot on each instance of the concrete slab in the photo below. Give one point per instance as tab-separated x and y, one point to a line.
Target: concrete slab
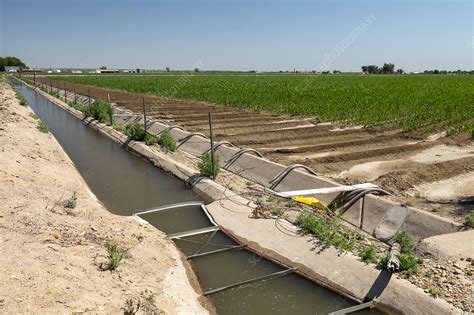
454	245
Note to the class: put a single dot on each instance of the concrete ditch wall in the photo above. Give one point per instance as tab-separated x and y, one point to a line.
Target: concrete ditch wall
345	274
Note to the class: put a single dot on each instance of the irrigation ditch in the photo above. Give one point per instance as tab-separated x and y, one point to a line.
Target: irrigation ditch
366	213
110	172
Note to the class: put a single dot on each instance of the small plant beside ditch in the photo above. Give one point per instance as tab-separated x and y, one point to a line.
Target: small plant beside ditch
434	292
406	242
77	106
146	302
21	99
100	111
71	203
206	168
115	256
369	254
136	132
330	233
42	126
167	141
469	220
409	263
277	211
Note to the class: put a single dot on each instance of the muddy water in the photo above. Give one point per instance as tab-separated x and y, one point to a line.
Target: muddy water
125	183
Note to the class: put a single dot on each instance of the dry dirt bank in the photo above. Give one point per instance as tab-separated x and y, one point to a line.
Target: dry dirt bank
50	254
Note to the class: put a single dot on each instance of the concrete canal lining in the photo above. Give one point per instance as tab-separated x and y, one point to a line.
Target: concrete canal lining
344	273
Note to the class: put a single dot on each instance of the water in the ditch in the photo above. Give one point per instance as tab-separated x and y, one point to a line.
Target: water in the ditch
125	183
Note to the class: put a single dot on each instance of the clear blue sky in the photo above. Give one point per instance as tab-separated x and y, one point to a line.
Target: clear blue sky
238	35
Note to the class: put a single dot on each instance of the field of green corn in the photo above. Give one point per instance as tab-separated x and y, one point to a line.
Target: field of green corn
428	102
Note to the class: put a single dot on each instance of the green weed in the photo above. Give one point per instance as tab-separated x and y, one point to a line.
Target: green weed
435	292
277	211
114	255
469	220
100	111
146	303
42	126
205	166
330	233
369	254
71	203
409	264
406	242
135	132
167	141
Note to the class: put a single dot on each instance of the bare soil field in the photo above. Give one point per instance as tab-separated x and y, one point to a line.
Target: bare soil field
51	253
399	162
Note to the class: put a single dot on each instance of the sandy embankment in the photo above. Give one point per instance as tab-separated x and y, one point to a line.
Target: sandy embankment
50	255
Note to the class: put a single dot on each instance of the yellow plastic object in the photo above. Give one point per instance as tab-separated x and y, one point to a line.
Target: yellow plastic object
310	201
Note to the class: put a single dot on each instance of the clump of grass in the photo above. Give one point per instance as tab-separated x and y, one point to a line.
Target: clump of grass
54	93
77	106
99	110
114	255
330	233
271	198
406	242
277	211
146	302
71	203
136	132
132	306
469	220
409	264
435	292
21	99
167	141
369	254
118	127
42	126
205	165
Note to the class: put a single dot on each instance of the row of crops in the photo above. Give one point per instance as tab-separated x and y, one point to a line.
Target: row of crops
430	102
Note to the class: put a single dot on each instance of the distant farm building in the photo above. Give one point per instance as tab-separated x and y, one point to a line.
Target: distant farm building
106	71
12	69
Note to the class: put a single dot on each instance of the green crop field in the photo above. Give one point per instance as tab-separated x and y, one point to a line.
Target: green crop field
429	102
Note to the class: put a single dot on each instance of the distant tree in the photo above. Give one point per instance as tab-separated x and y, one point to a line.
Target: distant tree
196	69
167	69
11	61
373	69
103	68
443	72
388	68
365	69
400	71
336	71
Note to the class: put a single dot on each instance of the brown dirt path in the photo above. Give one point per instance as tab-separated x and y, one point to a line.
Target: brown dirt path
50	254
